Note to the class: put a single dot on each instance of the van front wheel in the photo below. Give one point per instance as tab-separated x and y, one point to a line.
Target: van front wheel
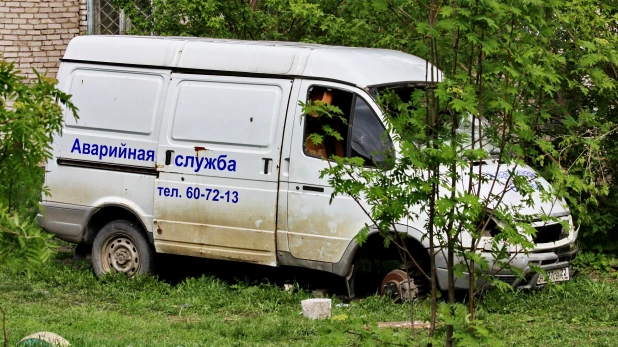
121	247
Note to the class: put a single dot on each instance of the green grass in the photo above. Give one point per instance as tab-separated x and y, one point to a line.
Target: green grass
64	297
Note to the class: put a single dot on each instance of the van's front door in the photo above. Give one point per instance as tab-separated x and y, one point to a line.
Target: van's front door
319	229
218	160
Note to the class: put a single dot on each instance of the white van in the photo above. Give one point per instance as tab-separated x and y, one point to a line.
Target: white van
198	147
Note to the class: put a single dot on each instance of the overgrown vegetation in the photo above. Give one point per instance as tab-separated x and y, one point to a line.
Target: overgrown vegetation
30	116
496	99
66	298
597	262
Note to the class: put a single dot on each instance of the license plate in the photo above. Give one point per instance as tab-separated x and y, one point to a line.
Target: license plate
558	275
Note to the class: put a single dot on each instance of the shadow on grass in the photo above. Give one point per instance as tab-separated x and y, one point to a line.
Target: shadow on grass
174	269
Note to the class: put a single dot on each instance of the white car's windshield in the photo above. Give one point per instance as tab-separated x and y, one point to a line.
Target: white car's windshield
481	127
481	138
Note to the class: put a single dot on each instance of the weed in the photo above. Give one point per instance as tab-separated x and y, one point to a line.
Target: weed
596	261
64	296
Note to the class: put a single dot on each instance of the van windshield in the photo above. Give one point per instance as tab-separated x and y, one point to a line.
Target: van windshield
464	126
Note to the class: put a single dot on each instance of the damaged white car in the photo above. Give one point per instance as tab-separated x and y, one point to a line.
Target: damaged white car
185	146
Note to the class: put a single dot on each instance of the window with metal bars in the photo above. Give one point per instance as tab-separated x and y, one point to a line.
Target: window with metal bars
106	19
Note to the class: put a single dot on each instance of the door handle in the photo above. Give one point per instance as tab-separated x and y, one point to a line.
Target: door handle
168	156
313	189
267	165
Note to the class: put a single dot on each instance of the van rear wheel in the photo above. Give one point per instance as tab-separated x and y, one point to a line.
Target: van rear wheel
120	246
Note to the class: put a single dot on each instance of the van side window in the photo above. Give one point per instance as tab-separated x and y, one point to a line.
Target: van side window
314	125
363	136
369	138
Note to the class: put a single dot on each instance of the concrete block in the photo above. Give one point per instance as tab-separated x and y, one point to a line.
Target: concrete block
317	308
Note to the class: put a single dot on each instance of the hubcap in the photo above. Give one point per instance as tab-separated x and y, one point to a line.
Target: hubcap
121	254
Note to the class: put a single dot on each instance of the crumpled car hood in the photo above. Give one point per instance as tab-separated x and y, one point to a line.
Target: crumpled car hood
503	185
553	207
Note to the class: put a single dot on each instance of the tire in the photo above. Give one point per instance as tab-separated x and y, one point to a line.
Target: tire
121	246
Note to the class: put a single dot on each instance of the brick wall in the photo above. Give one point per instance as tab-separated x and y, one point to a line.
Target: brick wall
35	33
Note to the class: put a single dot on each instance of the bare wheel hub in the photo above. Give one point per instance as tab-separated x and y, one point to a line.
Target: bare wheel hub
121	254
398	285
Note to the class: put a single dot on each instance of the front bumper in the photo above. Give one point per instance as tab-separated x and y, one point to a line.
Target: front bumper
66	221
561	258
558	258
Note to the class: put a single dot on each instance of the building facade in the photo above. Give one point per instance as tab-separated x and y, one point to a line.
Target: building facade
34	33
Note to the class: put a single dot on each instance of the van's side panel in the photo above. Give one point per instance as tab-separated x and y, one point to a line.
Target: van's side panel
107	156
216	196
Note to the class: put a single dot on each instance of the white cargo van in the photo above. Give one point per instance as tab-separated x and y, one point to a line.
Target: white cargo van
198	147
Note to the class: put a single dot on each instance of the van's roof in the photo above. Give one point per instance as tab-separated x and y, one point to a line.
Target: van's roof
359	66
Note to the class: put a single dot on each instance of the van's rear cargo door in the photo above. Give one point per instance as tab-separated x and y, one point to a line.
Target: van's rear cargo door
107	155
218	157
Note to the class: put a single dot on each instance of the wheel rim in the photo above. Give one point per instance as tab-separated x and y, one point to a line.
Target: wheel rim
121	254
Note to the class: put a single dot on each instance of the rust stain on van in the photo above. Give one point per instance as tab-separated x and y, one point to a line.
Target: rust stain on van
199	149
159	230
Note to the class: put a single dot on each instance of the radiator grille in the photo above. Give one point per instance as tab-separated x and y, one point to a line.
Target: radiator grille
549	233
